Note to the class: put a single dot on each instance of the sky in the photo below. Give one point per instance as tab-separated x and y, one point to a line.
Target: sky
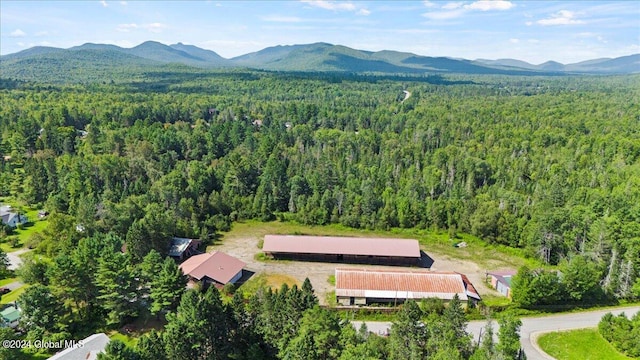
532	31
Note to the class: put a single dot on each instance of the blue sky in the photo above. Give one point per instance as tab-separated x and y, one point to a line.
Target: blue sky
534	31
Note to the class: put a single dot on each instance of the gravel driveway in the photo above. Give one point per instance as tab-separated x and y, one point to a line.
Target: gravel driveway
245	248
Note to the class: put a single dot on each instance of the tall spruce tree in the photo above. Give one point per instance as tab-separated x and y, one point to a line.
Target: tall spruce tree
167	287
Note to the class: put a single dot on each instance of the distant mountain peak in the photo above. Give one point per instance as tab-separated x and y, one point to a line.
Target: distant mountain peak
318	56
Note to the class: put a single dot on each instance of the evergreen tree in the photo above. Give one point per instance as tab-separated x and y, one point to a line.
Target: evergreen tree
117	286
40	309
509	337
317	338
167	287
199	329
409	335
117	350
151	346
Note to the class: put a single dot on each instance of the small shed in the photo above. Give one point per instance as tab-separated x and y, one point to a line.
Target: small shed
10	316
183	248
501	281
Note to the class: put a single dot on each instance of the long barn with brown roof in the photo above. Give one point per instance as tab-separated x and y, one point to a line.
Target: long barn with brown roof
367	286
343	249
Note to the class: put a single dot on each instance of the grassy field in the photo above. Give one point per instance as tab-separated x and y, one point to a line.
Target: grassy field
34	225
4	282
485	255
583	344
128	340
13	295
273	281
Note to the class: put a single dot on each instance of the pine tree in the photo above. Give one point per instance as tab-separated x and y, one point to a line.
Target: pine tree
199	329
509	337
309	299
167	287
117	287
409	336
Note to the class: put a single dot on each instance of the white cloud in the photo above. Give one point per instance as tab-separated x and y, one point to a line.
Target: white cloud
452	5
331	5
428	3
42	33
104	3
514	40
452	10
444	15
486	5
562	17
364	12
126	27
529	23
153	27
123	3
18	33
534	41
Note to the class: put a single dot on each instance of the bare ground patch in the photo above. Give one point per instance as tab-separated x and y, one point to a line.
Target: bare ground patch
243	242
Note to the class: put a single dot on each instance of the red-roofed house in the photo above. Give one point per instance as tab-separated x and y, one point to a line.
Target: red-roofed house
367	286
215	268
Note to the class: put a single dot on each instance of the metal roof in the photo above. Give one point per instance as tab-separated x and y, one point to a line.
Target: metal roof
179	245
341	245
216	265
87	349
402	284
10	314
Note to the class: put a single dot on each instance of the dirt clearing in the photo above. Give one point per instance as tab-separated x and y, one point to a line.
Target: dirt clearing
243	242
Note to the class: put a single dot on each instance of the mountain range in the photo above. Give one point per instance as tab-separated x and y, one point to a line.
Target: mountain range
102	58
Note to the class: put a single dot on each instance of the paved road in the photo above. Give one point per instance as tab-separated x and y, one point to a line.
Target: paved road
532	327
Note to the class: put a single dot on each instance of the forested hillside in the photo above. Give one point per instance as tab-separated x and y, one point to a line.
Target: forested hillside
551	165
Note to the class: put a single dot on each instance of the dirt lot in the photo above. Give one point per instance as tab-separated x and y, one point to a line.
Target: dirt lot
245	246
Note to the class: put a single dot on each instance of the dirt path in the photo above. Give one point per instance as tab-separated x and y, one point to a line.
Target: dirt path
14	258
246	247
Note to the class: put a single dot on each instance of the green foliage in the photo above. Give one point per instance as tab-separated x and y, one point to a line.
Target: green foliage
34	270
199	328
509	337
580	279
317	337
7	353
578	345
409	336
117	350
623	333
117	286
546	167
167	287
41	310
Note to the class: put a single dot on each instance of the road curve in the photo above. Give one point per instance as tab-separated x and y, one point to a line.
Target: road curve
531	328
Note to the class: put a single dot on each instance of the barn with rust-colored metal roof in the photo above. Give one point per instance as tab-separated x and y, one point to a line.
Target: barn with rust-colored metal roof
343	249
366	286
215	267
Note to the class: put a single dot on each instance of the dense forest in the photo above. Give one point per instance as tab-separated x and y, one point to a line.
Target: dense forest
546	164
550	165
